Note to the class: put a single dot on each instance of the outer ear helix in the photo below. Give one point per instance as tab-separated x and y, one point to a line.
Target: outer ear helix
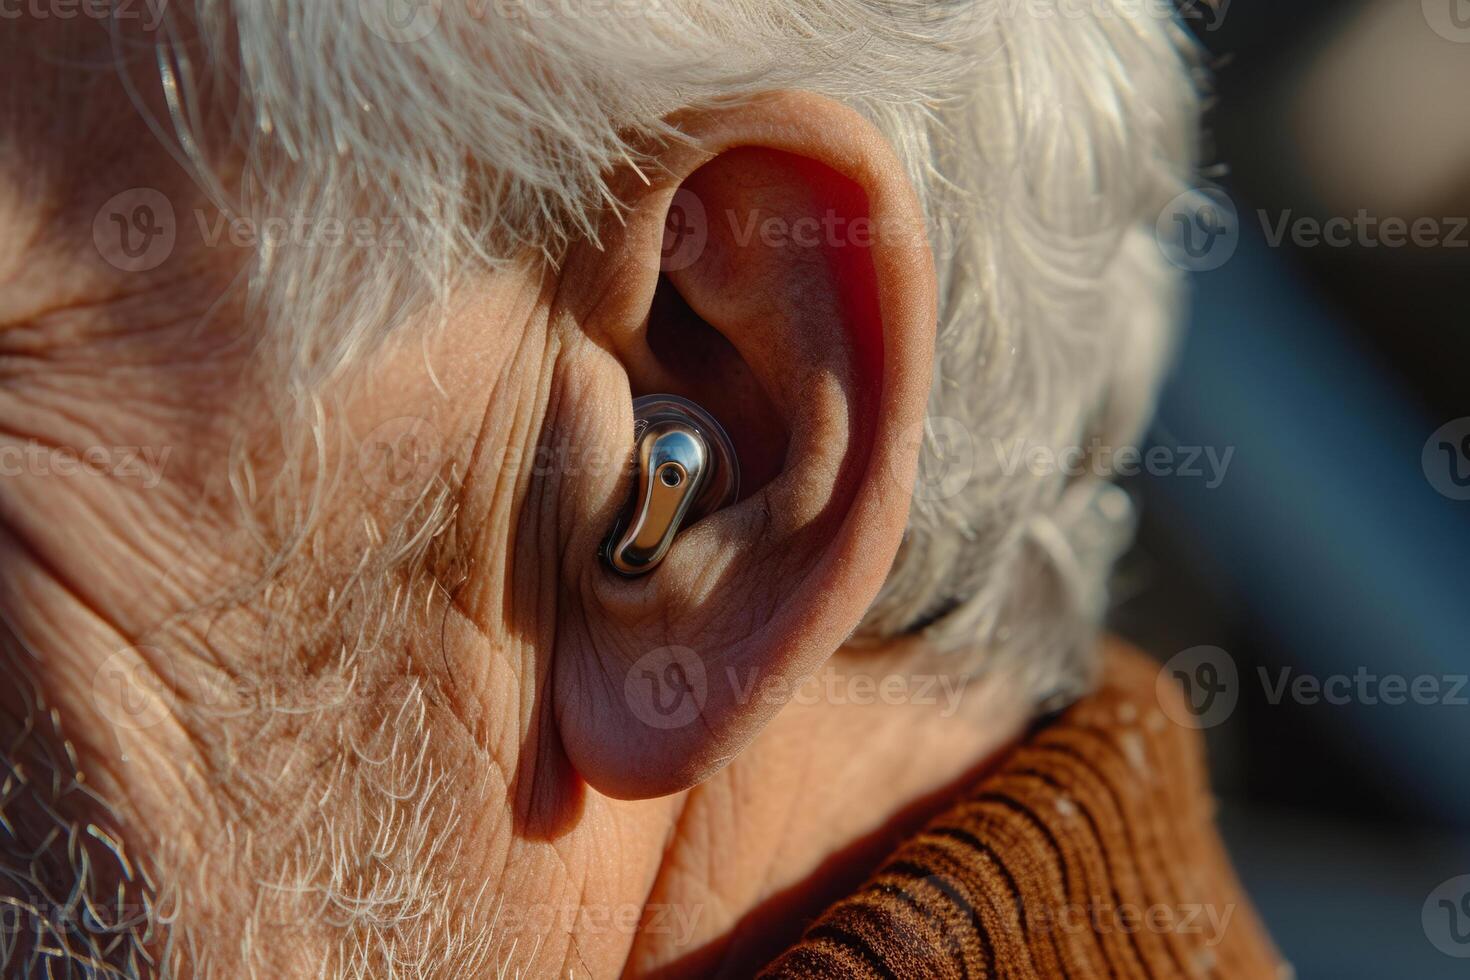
686	469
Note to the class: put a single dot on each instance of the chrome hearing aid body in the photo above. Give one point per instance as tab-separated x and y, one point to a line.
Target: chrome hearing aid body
685	468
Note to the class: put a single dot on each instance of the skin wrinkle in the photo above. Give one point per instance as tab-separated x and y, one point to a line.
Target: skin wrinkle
117	785
502	498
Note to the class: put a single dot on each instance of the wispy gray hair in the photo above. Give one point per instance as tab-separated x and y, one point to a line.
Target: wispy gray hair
1043	138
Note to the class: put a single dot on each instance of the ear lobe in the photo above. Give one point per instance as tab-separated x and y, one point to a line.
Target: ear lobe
805	323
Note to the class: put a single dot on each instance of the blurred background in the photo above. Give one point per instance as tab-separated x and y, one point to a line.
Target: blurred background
1331	360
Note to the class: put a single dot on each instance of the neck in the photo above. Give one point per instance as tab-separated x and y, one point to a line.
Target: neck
864	755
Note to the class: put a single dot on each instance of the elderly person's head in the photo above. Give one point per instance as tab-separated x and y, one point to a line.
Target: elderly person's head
321	330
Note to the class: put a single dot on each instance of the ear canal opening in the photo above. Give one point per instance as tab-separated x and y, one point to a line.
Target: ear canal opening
702	365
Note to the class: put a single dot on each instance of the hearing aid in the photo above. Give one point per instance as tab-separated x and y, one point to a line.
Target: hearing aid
684	469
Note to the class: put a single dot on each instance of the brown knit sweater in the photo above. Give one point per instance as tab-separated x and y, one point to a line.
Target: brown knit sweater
1089	851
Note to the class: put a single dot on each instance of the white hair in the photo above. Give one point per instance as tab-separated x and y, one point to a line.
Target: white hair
1042	136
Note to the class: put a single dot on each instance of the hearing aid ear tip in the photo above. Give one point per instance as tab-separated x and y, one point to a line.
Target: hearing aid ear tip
723	487
686	470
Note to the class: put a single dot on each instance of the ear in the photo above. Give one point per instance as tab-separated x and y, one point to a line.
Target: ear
775	270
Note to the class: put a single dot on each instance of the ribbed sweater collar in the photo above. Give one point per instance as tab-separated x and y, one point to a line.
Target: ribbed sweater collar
1089	851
